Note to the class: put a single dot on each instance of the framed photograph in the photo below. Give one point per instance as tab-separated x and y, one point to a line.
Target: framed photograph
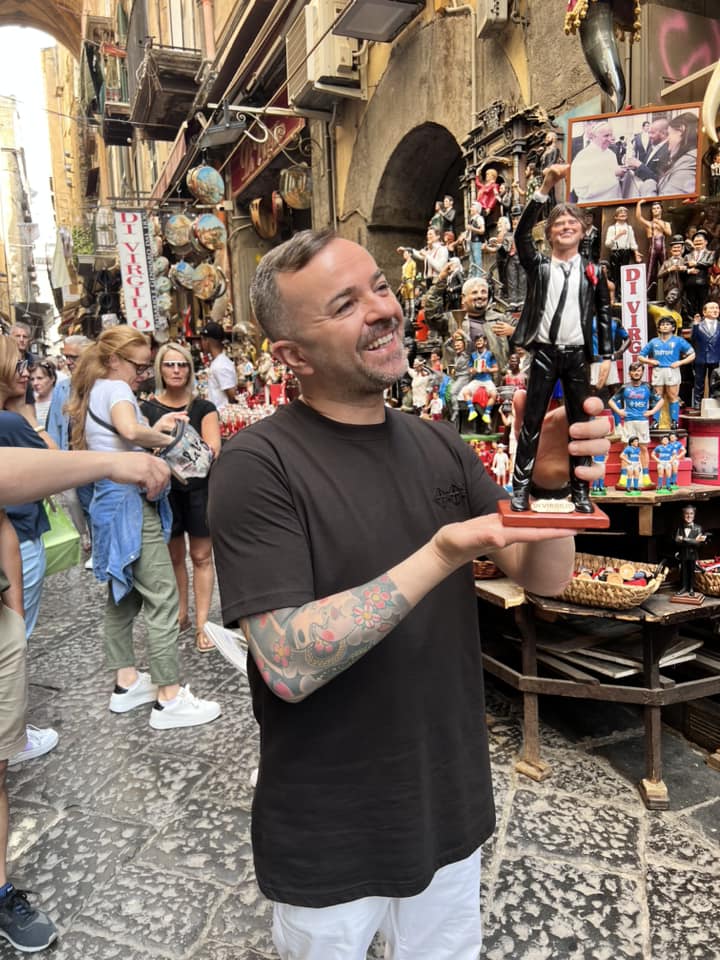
623	157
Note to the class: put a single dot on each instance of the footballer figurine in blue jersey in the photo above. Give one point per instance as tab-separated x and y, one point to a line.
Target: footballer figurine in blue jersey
663	456
665	354
636	403
630	459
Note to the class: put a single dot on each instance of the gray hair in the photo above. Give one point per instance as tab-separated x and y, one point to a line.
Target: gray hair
474	282
77	340
290	257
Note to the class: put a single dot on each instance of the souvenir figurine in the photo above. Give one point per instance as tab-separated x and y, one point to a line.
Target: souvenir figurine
678	451
663	457
674	270
670	307
630	459
487	191
550	156
590	243
697	281
636	404
705	339
515	278
437	221
598	488
484	366
474	234
688	536
501	465
656	230
620	239
665	354
556	334
407	285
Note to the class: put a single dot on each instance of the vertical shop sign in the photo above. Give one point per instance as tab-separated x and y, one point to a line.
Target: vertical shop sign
134	247
633	289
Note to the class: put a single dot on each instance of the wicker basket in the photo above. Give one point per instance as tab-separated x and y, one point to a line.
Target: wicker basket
708	583
598	593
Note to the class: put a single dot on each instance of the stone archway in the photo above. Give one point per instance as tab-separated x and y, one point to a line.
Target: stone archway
60	18
408	189
406	153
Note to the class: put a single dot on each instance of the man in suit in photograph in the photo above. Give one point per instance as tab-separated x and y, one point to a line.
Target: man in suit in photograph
564	293
641	142
657	159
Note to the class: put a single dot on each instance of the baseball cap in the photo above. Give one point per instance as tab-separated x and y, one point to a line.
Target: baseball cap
213	331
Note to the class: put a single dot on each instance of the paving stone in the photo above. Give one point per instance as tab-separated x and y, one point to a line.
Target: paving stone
75	856
212	950
27	822
206	840
585	775
165	912
151	789
556	825
245	919
683	906
540	910
679	841
82	946
707	819
688	778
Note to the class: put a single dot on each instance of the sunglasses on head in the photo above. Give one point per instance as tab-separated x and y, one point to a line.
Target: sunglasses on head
21	366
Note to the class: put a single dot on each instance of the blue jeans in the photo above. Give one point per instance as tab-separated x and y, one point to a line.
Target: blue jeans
475	259
33	569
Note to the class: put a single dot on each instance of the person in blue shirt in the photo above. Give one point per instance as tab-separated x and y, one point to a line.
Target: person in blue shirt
598	488
678	449
666	353
604	373
636	404
484	366
630	458
663	456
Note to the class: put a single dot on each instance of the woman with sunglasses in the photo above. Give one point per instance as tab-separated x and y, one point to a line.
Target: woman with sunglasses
43	379
175	378
130	532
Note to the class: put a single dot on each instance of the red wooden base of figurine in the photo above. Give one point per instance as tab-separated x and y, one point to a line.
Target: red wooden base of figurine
693	601
597	520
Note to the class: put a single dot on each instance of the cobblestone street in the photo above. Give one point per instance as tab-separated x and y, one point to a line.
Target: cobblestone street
137	842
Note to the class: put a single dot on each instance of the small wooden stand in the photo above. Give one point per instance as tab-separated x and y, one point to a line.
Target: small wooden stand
692	601
597	520
654	794
714	760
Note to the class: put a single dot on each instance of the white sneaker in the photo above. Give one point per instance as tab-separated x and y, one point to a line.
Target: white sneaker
185	710
140	692
38	743
89	563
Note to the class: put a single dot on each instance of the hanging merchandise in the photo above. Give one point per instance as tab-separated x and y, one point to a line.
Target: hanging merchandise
181	274
178	233
208	281
296	186
210	231
161	265
264	221
205	184
163	284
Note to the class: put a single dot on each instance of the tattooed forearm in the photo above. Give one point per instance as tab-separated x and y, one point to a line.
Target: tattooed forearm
299	650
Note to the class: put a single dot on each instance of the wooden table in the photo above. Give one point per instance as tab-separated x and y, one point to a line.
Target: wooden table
659	621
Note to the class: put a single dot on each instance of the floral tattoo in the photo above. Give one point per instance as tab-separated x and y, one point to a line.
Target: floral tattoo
299	650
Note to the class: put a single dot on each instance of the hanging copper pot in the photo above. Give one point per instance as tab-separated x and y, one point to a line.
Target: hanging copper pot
264	220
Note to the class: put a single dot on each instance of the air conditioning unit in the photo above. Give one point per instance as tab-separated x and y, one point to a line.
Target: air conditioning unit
321	70
492	15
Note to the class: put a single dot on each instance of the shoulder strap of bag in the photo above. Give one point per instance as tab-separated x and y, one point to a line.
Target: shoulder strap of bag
103	423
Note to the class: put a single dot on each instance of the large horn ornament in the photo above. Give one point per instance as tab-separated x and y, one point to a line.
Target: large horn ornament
599	44
711	103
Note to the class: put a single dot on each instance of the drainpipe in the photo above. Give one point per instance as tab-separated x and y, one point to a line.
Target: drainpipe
208	28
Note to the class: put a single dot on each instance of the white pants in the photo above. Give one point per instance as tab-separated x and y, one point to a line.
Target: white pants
441	923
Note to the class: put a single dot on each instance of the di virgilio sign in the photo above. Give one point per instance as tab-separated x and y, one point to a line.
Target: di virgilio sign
133	239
